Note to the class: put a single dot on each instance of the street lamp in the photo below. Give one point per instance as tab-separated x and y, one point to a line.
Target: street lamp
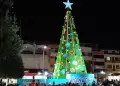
46	73
102	72
39	73
44	47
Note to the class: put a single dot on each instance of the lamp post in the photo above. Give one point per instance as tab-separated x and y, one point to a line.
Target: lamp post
44	47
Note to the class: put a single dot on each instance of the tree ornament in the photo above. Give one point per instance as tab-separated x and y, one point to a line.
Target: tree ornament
65	55
61	63
74	62
67	44
68	4
66	67
72	69
71	52
80	62
63	71
67	72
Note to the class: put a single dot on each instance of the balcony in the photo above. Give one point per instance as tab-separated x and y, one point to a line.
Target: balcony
99	67
88	58
98	60
98	53
112	59
112	52
53	54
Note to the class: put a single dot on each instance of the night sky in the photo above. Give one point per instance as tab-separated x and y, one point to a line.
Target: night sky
96	22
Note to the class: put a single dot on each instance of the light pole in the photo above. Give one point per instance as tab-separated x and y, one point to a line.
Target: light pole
44	47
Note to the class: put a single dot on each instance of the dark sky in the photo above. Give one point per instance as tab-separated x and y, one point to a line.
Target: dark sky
96	22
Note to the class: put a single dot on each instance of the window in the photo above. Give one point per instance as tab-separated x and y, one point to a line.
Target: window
110	51
27	52
45	53
116	51
98	63
117	67
56	49
117	59
52	57
39	51
89	54
113	68
108	58
85	54
98	70
98	56
109	66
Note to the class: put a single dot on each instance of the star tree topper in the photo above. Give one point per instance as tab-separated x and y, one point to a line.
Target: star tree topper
68	4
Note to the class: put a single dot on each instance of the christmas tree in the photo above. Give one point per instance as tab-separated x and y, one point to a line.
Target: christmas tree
69	56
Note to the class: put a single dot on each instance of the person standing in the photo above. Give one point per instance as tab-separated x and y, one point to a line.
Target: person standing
33	83
38	83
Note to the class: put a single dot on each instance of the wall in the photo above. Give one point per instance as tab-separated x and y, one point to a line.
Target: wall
32	61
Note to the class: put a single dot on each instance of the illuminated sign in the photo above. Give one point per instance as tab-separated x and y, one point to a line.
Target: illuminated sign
81	78
40	77
27	77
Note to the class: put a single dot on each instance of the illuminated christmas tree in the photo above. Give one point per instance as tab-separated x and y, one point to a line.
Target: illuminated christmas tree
69	56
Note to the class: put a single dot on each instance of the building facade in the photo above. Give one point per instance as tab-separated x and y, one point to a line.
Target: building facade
112	62
98	61
35	57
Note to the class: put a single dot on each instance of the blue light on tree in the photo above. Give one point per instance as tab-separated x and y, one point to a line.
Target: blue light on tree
67	44
83	67
65	55
77	51
63	71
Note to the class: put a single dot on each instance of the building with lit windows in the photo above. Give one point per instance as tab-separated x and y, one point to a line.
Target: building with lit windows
112	63
41	58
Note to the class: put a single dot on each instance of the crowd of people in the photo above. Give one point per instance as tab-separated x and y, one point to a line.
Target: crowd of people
99	83
64	84
111	83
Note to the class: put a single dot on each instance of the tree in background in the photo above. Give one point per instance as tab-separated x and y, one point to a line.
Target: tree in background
69	57
11	65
